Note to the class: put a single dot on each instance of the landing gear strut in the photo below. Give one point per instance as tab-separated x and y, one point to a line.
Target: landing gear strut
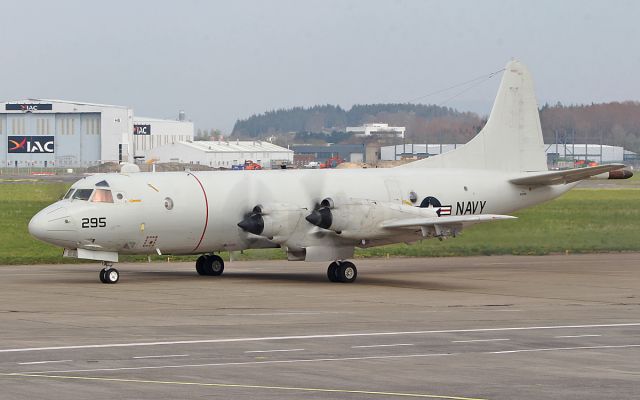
210	264
342	271
108	274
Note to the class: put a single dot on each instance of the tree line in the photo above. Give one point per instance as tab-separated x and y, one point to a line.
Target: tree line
615	123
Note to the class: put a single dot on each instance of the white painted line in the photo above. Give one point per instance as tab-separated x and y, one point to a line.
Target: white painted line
576	336
272	351
44	362
564	348
381	345
306	360
321	336
287	313
478	340
162	356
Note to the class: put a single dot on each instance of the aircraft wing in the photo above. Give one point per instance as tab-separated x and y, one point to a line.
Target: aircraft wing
443	221
564	177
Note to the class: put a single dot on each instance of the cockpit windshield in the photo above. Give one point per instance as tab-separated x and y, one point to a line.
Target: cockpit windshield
102	196
82	194
69	193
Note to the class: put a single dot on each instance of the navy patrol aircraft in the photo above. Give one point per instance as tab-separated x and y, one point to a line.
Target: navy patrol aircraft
314	214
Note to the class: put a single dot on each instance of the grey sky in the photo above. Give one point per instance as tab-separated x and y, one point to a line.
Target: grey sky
221	61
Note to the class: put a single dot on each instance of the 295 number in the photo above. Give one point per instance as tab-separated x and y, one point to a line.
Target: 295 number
94	222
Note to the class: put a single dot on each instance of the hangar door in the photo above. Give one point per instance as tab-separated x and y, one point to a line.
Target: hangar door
78	139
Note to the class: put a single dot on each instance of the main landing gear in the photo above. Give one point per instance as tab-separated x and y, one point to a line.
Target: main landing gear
210	264
108	274
342	271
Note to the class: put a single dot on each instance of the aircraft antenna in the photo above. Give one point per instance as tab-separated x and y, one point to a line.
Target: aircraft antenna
477	80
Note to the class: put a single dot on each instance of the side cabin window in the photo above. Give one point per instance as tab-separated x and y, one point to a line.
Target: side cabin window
102	196
69	193
82	194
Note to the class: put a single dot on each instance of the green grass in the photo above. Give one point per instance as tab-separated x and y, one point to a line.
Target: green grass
582	221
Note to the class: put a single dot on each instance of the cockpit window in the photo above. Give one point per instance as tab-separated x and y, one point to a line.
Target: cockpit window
82	194
102	196
69	193
102	184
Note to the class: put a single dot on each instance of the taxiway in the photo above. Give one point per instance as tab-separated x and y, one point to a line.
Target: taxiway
552	327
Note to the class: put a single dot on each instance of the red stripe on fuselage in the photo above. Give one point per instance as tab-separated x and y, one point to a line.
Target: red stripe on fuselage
206	204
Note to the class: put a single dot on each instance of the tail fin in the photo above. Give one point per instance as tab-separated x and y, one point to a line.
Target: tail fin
512	138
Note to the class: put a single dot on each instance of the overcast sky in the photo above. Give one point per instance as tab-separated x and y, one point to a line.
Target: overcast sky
224	60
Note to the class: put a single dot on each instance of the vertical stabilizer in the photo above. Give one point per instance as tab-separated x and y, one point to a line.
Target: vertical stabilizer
512	138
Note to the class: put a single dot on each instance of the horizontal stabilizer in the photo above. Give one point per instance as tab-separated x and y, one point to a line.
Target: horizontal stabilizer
447	220
564	177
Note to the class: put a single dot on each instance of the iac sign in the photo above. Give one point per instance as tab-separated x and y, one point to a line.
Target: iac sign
142	129
30	144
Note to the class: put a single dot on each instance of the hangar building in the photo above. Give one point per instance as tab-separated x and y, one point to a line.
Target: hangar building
222	154
58	133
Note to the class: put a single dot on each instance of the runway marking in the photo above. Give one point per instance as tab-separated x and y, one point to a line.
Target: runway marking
272	351
44	362
576	336
240	363
320	336
162	356
382	345
241	386
288	313
478	340
565	348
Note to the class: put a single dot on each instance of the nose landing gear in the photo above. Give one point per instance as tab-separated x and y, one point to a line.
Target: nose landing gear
108	274
342	271
210	264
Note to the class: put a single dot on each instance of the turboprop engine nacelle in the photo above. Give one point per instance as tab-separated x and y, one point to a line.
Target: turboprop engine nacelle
273	221
361	219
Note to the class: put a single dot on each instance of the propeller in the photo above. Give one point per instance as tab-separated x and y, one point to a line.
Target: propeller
321	215
253	222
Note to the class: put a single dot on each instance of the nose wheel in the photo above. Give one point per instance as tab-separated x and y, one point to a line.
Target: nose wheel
342	271
210	264
108	274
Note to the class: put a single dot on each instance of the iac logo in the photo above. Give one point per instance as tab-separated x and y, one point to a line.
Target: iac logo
29	107
142	129
30	144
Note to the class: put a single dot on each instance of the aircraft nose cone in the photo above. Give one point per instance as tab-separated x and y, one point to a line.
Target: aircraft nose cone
53	225
37	226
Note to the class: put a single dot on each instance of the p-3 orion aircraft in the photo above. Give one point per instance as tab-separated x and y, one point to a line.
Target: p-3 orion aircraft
316	214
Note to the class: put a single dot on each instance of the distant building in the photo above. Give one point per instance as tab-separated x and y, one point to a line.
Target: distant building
59	133
600	153
377	129
221	154
349	152
555	152
398	152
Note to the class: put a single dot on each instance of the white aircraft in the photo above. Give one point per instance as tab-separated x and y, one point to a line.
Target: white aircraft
315	215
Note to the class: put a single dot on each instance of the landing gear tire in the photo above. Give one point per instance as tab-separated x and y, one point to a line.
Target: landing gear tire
332	271
109	275
200	265
347	272
215	265
342	271
210	265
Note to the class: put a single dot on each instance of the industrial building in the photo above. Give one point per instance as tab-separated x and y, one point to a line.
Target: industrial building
59	133
555	152
398	152
349	152
221	154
